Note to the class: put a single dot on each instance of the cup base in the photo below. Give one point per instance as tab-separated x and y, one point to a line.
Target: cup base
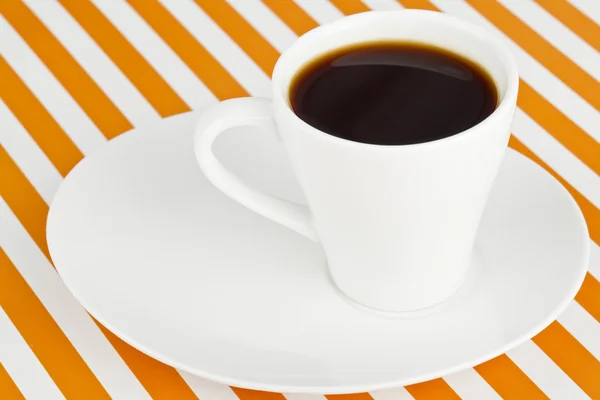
463	290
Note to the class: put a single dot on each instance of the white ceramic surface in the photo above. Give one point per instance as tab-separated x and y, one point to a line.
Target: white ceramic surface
378	210
178	270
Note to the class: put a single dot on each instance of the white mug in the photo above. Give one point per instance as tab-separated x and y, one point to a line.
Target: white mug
397	223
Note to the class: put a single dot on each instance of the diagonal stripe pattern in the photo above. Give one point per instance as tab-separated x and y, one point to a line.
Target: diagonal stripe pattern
231	56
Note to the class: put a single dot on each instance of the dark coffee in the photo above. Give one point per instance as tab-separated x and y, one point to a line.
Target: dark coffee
392	93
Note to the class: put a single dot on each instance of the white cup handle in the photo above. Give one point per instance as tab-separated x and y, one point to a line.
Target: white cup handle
248	111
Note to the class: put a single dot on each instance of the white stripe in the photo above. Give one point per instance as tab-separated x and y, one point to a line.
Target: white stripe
321	11
221	46
162	58
557	157
469	385
382	5
205	389
95	62
545	373
46	88
392	394
594	260
583	327
73	320
28	156
591	8
265	22
561	37
300	396
22	365
535	74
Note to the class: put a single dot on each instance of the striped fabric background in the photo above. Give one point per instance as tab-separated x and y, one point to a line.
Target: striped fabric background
76	73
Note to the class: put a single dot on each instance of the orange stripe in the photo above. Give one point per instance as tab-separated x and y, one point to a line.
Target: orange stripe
25	202
349	7
50	345
292	15
8	389
197	58
44	130
242	33
126	57
355	396
575	139
508	380
560	65
589	296
161	381
574	359
418	4
590	212
574	19
247	394
436	389
82	88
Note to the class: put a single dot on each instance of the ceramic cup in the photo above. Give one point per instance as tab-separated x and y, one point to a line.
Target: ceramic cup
397	223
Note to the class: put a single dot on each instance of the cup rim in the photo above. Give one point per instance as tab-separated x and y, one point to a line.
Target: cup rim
508	100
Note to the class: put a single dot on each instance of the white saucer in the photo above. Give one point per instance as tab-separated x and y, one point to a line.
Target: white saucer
186	275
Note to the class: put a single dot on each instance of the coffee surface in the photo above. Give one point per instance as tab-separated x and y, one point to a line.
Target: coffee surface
392	93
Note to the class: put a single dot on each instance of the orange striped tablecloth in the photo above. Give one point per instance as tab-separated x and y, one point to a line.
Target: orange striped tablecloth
76	73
